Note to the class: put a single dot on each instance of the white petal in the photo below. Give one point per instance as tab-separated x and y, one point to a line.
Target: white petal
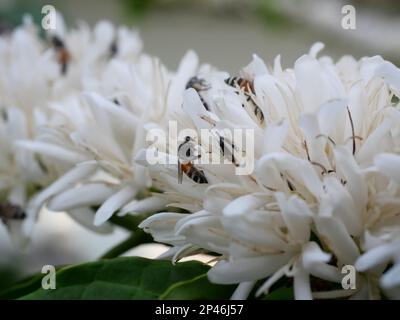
204	230
256	68
356	184
274	137
84	216
390	73
187	68
243	205
125	117
338	239
331	118
66	181
82	196
246	269
342	205
52	150
315	262
376	256
376	142
391	278
297	217
316	48
389	165
162	226
271	280
193	106
302	288
243	290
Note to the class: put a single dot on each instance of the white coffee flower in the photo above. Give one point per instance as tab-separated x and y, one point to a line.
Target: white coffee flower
98	134
33	84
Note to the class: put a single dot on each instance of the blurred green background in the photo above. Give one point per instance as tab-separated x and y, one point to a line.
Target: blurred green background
224	33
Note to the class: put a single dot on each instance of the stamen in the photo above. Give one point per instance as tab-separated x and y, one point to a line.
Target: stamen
324	170
306	147
352	130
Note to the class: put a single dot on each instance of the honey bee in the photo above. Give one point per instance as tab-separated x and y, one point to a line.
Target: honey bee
187	167
63	55
9	212
199	85
247	87
113	49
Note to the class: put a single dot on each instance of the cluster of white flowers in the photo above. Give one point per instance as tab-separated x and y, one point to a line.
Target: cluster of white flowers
325	191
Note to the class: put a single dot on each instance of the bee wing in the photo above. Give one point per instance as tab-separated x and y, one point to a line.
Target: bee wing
180	173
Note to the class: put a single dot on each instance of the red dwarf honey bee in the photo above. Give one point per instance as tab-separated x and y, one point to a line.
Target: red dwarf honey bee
185	164
247	87
63	55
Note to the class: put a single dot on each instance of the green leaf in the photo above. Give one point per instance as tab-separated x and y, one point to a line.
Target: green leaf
198	288
23	287
120	278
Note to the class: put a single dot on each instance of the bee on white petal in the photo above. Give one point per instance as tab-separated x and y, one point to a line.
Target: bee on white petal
185	164
199	85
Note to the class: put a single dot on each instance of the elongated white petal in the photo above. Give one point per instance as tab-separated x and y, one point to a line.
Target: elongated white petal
275	135
246	269
84	216
378	141
391	278
66	181
338	239
271	280
355	183
390	73
82	196
389	165
297	217
150	204
243	205
243	290
52	150
342	205
113	203
302	288
162	227
314	260
376	256
331	118
125	117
